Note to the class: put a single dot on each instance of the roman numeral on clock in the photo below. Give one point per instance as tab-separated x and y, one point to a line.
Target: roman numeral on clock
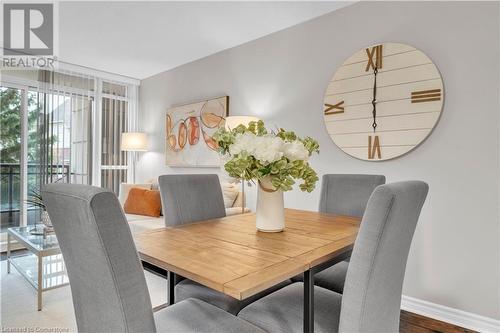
374	58
426	96
337	108
374	147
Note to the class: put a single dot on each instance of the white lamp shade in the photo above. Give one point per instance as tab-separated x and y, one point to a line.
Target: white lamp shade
134	141
233	121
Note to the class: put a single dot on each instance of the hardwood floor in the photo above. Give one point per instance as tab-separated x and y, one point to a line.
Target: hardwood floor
414	323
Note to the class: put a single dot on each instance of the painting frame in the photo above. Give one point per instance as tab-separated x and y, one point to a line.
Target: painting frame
188	131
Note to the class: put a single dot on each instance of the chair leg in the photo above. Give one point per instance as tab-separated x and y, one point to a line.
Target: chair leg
171	288
308	301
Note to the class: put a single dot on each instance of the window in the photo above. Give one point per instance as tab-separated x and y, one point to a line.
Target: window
114	121
60	127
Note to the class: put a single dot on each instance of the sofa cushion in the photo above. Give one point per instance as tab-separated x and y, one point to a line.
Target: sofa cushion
229	193
125	188
143	202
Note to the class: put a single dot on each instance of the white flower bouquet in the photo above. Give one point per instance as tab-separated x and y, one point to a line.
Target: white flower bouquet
254	153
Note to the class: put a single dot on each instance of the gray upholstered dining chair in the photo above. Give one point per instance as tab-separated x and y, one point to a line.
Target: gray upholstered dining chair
372	295
190	198
344	194
106	277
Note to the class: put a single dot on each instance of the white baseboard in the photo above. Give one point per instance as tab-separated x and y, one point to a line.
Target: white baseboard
453	316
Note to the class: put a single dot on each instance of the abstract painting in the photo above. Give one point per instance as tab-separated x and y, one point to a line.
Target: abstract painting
189	130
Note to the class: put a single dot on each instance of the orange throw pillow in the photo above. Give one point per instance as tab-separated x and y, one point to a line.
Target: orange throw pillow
143	202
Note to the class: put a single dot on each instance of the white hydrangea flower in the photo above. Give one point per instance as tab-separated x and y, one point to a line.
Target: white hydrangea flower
295	151
268	149
243	142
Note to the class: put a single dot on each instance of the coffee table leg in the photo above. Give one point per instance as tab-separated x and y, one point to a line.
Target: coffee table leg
8	253
171	288
308	301
40	282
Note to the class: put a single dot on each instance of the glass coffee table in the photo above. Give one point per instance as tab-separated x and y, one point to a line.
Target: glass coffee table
44	267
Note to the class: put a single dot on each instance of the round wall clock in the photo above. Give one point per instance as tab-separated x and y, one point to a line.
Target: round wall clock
383	101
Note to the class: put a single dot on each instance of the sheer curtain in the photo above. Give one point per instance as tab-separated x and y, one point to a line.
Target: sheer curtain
65	112
81	118
70	131
118	116
60	109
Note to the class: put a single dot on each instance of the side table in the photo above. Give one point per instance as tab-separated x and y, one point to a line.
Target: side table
44	267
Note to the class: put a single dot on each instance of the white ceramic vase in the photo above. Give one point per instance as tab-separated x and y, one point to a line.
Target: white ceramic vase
270	215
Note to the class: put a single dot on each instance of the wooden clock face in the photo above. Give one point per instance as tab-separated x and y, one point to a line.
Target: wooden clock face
383	101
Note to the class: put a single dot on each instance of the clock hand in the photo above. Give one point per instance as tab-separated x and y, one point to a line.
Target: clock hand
374	101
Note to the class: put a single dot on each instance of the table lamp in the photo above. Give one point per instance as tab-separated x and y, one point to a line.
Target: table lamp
231	123
134	142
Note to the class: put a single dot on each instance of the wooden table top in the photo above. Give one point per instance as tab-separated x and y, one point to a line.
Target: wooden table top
231	256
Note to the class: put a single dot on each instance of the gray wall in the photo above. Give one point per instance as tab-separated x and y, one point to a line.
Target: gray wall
454	260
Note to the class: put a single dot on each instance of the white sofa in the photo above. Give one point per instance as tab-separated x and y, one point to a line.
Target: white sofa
141	223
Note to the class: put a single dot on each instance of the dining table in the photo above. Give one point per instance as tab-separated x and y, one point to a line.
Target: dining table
230	255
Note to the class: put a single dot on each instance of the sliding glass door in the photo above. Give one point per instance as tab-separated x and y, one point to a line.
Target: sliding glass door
46	137
11	100
59	143
60	127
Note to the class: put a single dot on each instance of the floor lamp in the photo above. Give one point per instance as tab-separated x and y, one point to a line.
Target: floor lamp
134	142
233	122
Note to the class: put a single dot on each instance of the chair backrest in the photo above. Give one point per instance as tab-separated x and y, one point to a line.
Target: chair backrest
371	299
191	198
347	194
106	277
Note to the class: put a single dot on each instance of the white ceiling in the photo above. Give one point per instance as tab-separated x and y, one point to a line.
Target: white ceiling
140	39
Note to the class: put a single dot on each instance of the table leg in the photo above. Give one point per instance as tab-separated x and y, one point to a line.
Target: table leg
8	253
40	282
171	288
308	301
